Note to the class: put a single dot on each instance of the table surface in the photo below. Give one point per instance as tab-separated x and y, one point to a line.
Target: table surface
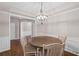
38	41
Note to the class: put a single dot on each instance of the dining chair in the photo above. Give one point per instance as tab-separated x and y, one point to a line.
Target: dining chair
55	49
63	38
27	48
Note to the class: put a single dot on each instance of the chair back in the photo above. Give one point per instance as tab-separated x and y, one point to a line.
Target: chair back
55	49
28	39
62	38
24	42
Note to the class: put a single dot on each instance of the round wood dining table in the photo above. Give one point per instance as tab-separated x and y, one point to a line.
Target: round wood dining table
38	41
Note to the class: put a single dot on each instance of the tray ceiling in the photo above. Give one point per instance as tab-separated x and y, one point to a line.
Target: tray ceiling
31	9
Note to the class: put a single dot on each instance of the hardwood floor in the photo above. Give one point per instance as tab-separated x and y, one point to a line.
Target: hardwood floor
16	50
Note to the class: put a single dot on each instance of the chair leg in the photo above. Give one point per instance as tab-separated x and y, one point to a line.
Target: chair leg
38	52
35	54
24	53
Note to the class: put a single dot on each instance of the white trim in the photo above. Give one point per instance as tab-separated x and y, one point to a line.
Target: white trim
4	44
20	15
9	28
71	51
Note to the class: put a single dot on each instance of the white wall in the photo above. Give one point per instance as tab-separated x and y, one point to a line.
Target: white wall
4	31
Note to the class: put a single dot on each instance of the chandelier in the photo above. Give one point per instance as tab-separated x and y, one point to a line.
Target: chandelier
42	19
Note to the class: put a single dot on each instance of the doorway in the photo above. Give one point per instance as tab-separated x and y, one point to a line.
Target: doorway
20	27
26	28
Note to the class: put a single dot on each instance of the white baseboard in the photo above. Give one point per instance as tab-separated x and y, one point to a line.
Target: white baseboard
4	50
72	51
15	39
72	45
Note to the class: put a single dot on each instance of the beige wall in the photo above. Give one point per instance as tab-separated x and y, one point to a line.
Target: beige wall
42	29
4	24
4	31
65	22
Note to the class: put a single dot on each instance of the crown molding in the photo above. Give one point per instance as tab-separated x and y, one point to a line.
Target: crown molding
65	11
12	13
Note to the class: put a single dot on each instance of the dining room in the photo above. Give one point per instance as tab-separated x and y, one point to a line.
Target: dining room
39	28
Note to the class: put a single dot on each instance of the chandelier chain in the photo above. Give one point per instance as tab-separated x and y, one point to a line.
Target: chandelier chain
41	18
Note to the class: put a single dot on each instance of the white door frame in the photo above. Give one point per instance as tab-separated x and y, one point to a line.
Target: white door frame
26	20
